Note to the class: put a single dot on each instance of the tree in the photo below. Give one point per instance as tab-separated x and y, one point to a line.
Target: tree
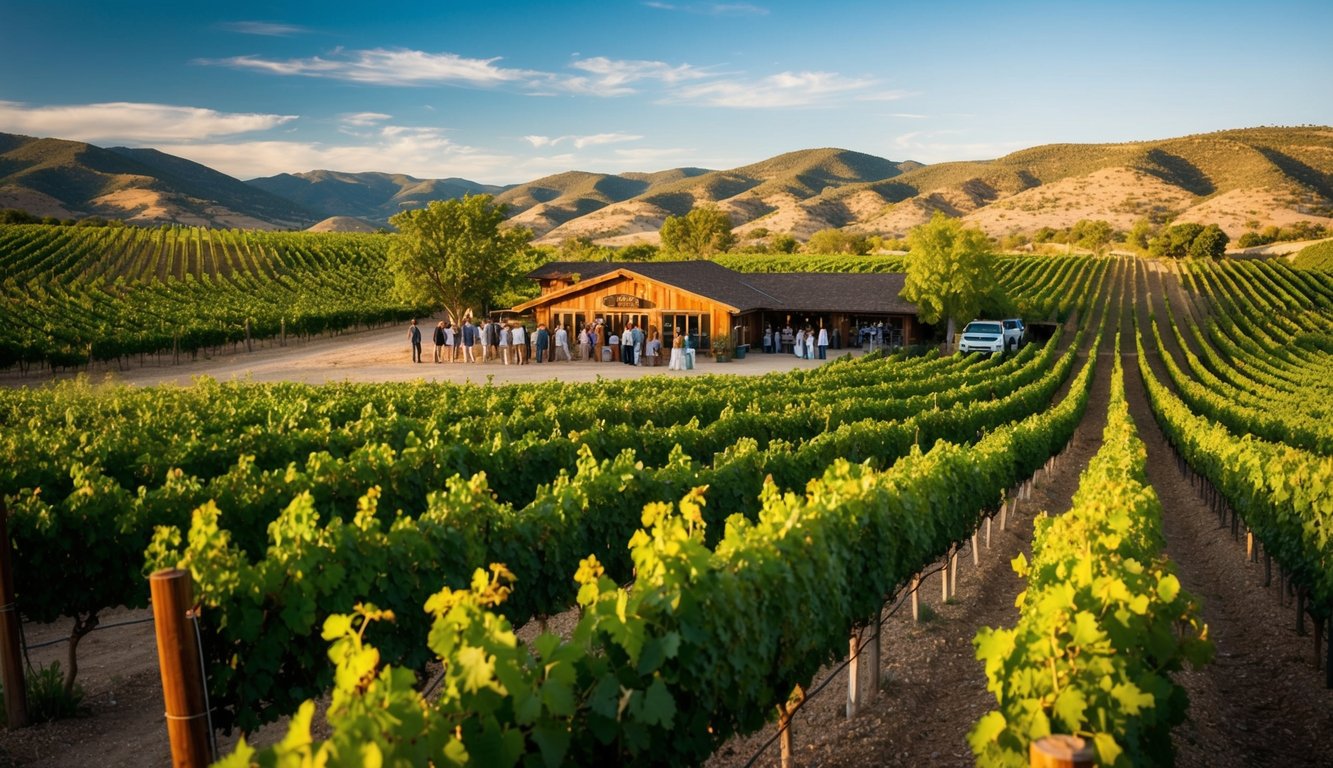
1140	235
454	254
783	243
700	233
837	241
1095	235
1211	243
1174	241
949	271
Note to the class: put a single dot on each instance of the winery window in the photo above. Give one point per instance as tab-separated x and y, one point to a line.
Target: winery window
697	326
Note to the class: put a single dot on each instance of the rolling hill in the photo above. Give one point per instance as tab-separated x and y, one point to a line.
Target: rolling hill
370	196
53	177
1240	179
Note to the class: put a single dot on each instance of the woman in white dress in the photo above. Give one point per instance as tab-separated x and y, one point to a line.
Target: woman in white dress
798	348
677	352
809	344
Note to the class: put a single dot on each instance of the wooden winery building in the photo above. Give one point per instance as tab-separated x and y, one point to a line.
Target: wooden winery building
704	299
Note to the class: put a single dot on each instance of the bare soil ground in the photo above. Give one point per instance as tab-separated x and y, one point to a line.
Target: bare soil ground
1261	703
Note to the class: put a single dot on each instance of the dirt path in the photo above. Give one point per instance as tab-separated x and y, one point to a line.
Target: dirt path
1261	702
932	688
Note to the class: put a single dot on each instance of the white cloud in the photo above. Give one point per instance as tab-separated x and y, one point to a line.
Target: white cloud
785	89
365	119
131	121
381	66
710	9
421	152
613	77
580	142
263	28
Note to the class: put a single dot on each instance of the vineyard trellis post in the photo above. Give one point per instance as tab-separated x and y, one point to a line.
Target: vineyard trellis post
1061	752
11	651
182	673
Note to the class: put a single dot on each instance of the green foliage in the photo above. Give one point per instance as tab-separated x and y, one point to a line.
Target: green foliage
949	271
1140	235
838	241
1175	241
1102	622
47	696
1094	235
455	254
1211	243
79	294
699	234
1318	256
1301	230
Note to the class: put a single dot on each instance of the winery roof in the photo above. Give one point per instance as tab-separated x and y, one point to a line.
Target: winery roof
862	293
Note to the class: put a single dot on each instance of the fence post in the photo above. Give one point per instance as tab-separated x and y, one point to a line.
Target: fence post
11	652
182	677
872	656
853	674
1061	752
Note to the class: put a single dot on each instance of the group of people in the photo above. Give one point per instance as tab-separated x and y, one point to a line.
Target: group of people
632	346
511	343
805	342
498	341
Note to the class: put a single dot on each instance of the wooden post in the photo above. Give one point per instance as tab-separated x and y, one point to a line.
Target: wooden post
953	573
1004	516
976	555
872	657
853	674
11	651
182	677
944	577
1061	752
989	520
916	598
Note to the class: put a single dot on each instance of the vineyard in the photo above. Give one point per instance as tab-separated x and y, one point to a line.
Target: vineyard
709	544
75	295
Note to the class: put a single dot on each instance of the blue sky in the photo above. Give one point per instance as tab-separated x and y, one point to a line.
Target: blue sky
508	92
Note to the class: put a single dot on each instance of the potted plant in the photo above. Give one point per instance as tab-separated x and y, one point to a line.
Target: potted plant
722	349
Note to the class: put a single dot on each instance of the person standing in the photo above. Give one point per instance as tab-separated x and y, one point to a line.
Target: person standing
439	339
542	342
448	341
502	341
798	344
561	345
613	341
414	336
823	343
639	340
585	342
809	343
677	352
598	341
768	339
469	340
484	335
786	339
518	345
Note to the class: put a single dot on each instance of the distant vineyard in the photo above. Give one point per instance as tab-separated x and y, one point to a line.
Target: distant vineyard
78	294
1318	256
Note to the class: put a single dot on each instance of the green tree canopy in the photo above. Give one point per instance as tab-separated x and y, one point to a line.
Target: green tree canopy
454	254
1094	234
837	241
700	233
950	274
1211	243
